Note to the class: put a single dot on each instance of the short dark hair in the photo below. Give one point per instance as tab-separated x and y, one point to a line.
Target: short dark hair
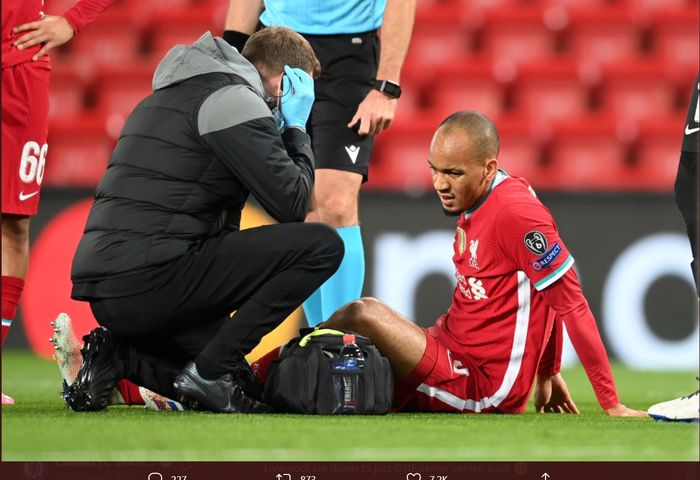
483	135
270	49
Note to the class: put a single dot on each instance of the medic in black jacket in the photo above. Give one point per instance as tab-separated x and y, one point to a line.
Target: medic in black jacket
162	260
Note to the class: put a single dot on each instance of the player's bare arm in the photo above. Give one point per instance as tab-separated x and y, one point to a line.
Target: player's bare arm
377	110
243	15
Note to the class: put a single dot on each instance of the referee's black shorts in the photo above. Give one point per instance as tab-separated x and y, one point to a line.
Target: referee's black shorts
348	66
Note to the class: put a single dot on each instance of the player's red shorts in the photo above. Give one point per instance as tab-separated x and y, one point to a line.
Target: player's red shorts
443	381
25	112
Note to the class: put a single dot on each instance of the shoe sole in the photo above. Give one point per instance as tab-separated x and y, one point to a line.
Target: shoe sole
64	342
79	396
661	418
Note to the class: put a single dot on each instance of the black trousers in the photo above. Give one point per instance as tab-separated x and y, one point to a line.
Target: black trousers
263	274
686	194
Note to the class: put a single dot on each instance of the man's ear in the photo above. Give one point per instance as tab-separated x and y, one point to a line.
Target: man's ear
491	167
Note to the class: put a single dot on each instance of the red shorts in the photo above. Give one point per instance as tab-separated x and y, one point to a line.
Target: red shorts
25	113
443	381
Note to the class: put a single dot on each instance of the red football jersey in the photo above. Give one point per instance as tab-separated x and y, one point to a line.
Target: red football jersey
506	249
15	13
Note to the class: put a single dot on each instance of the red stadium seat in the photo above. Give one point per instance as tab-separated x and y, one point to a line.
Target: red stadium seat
652	7
220	7
183	27
469	84
66	92
518	34
114	39
483	5
521	150
636	90
78	152
551	90
572	3
440	37
587	154
400	157
120	89
409	105
657	152
675	37
603	35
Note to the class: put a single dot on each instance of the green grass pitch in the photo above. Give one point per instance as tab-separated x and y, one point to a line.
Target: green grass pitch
39	428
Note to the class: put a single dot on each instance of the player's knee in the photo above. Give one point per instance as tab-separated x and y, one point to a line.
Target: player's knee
361	315
339	212
15	229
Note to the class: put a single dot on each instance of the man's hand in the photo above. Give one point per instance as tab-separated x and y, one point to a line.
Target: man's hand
298	97
375	113
620	410
51	30
552	395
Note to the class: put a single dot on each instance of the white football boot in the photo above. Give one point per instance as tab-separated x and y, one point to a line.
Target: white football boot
683	409
155	401
67	350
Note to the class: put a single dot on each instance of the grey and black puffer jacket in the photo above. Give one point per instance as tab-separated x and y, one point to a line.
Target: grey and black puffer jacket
186	161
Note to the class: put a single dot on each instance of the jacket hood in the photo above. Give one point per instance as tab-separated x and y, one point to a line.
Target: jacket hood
208	54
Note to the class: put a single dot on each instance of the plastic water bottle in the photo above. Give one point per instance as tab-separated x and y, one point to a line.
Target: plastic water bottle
347	378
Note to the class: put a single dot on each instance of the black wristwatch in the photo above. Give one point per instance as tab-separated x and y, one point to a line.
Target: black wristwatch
390	89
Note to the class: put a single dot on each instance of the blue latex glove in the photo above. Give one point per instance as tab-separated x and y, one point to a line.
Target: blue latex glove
298	98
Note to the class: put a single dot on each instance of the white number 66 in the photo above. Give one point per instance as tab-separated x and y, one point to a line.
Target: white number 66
31	167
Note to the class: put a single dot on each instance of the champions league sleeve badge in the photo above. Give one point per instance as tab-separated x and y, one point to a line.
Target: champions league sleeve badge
536	242
461	240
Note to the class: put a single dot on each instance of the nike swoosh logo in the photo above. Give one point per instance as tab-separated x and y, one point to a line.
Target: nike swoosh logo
689	130
23	196
353	152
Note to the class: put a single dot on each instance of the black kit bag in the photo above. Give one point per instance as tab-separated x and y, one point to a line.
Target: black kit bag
300	379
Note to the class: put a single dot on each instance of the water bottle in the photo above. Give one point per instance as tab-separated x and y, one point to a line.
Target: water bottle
347	378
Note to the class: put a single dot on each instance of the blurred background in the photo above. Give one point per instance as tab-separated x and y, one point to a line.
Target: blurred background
590	98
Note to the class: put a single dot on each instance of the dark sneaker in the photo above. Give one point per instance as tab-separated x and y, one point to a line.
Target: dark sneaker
222	394
98	375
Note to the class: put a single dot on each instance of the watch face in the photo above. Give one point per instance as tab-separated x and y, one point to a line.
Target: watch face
388	88
393	90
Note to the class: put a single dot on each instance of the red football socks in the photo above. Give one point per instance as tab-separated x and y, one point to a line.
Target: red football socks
11	293
130	393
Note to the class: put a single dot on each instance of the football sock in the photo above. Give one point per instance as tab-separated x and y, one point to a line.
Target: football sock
130	393
11	292
6	324
312	309
346	284
262	365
